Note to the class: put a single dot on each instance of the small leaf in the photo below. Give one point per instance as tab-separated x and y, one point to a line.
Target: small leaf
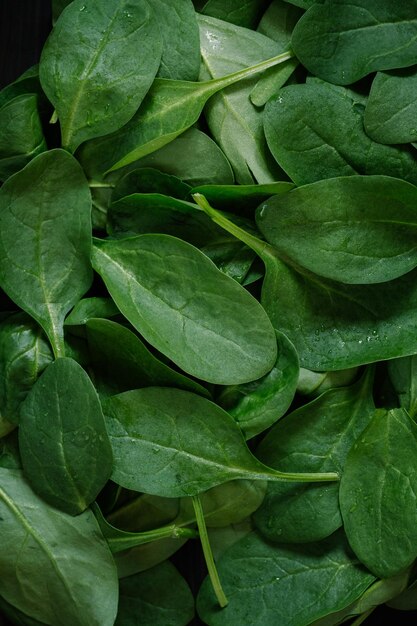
63	441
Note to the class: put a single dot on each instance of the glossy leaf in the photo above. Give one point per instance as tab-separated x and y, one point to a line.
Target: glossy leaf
121	361
65	450
24	354
146	556
26	83
21	134
157	597
360	229
180	302
333	326
391	109
334	421
69	551
377	494
309	149
318	578
158	448
170	108
258	405
36	229
180	39
233	120
341	42
277	23
93	84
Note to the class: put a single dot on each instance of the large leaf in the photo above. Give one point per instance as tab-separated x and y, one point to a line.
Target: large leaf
44	247
93	84
359	229
268	585
24	354
21	135
63	441
158	597
302	513
234	11
187	309
342	42
391	111
378	494
309	149
121	361
332	325
158	447
180	38
70	552
169	109
235	122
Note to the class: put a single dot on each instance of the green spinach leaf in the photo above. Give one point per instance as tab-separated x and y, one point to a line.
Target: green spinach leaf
24	354
187	309
342	42
318	577
66	453
37	230
69	551
93	84
377	494
158	447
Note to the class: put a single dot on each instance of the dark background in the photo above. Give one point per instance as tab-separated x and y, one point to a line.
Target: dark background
24	27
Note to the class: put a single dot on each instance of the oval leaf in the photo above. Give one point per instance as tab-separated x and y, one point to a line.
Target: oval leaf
65	450
353	229
341	42
268	585
378	494
187	309
158	447
69	551
94	85
44	247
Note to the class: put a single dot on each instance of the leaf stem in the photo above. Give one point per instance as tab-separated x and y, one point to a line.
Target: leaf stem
208	555
94	184
230	79
54	117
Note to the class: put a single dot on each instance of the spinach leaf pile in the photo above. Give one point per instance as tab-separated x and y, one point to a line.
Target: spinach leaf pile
208	332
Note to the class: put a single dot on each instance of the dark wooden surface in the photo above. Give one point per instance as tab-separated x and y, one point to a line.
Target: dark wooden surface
24	26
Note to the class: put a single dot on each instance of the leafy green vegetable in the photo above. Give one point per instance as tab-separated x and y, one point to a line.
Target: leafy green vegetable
173	295
391	109
21	135
158	448
313	150
377	497
258	404
341	42
157	597
36	230
233	11
330	227
303	513
24	354
235	123
63	441
93	84
318	578
69	551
